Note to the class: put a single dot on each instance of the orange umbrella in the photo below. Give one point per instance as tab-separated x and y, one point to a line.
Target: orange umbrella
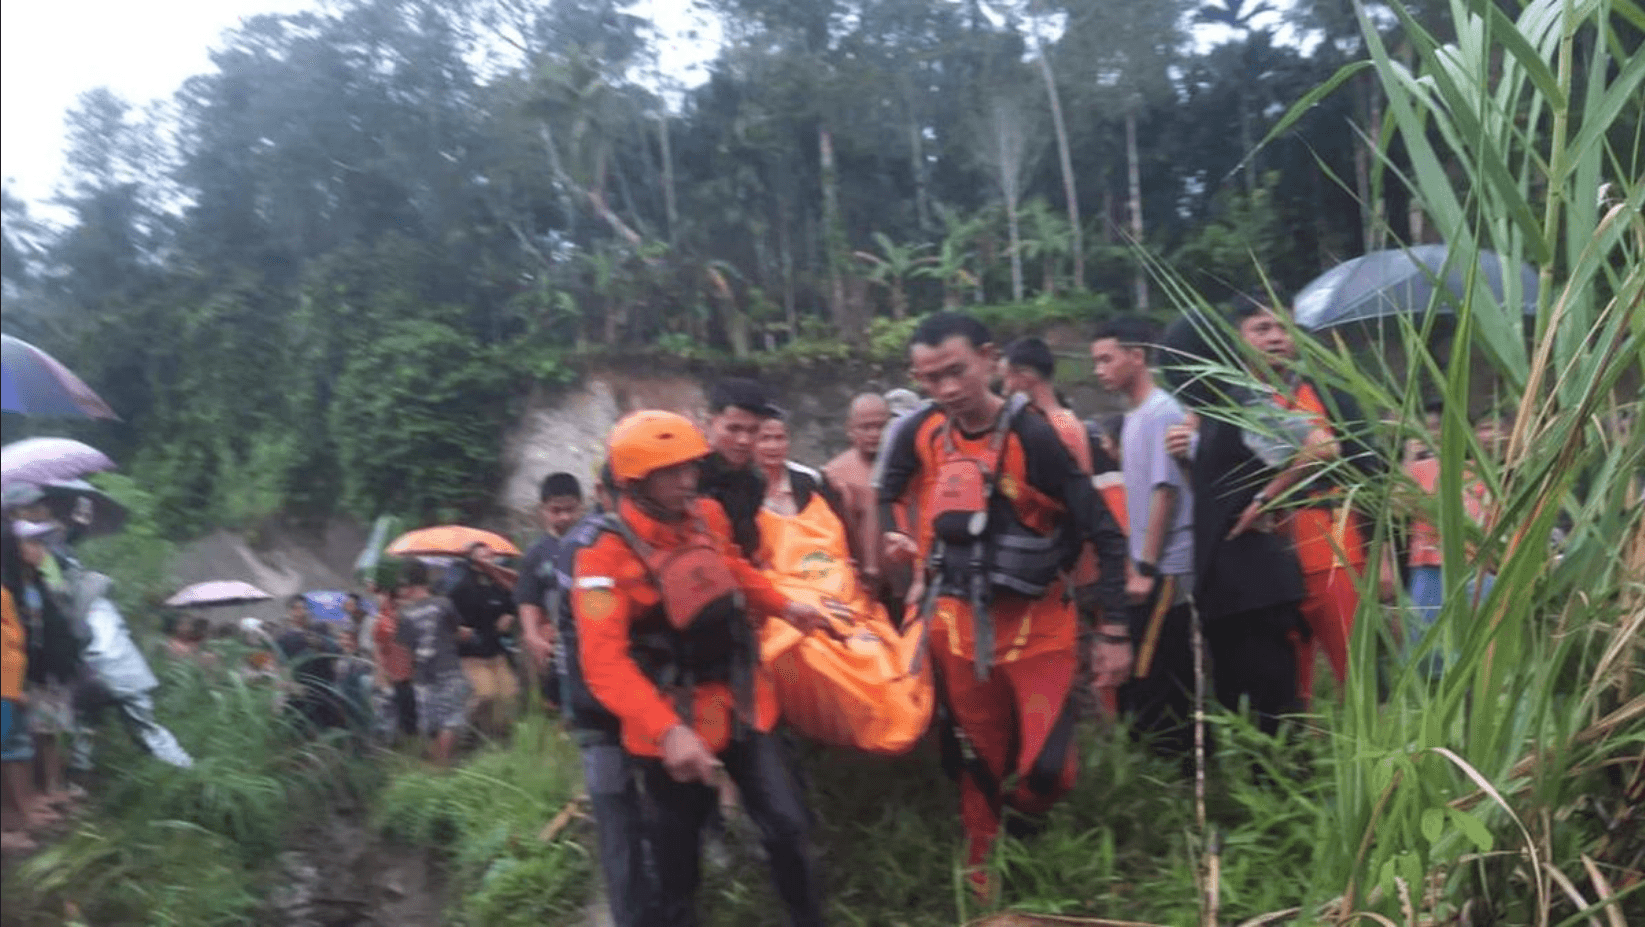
448	541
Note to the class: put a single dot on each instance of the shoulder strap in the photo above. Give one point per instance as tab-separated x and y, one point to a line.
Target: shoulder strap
998	433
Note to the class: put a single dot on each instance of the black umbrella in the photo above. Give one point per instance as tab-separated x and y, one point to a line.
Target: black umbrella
1401	281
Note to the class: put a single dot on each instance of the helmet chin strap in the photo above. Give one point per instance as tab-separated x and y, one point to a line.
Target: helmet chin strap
651	509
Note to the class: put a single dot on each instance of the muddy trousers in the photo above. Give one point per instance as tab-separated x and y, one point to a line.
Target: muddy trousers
678	811
614	794
1329	606
1017	723
1252	660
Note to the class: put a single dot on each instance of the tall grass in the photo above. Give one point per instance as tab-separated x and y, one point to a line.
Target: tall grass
1488	789
162	845
487	817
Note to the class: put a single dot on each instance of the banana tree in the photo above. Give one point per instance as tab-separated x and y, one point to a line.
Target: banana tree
1048	238
892	267
956	264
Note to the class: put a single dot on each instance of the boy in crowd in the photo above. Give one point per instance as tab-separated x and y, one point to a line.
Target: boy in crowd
1160	503
428	627
560	507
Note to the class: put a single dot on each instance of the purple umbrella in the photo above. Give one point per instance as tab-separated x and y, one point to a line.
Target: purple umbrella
217	592
35	383
41	461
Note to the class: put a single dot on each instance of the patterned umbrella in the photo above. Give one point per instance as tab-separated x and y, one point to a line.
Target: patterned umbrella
41	461
35	383
448	540
217	592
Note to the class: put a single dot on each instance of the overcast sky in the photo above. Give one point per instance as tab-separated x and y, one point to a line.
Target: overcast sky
51	51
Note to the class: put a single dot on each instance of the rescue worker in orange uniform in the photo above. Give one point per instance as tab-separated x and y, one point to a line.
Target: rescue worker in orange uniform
1029	368
1004	513
1326	534
663	606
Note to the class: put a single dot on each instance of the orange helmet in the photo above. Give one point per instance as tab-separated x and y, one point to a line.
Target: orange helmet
645	442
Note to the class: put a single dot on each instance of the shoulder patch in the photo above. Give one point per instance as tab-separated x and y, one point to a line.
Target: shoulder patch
596	604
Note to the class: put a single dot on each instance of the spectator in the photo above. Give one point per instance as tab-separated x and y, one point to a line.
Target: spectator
429	628
311	654
487	611
1159	498
17	796
53	668
394	663
560	507
852	475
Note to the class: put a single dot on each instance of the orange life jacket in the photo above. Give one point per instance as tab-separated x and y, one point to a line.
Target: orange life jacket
1326	535
699	631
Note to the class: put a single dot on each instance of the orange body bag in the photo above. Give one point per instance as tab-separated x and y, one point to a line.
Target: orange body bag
868	691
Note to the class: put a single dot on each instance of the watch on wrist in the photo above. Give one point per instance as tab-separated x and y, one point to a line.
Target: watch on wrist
1147	569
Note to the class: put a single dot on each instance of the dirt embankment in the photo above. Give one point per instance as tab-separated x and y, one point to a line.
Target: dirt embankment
566	429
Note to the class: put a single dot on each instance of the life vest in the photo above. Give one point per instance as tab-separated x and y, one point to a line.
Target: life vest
1325	532
984	547
698	632
980	546
590	719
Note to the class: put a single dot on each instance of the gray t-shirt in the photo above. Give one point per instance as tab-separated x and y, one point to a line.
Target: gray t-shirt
428	628
1146	466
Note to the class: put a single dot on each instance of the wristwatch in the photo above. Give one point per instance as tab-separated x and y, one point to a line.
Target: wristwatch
1147	569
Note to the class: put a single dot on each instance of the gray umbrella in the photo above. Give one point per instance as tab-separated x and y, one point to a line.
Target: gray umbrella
1386	283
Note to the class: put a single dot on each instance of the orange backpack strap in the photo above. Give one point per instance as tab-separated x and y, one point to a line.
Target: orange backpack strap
982	496
688	579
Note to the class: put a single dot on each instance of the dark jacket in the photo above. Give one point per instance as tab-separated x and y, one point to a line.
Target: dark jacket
1255	570
741	492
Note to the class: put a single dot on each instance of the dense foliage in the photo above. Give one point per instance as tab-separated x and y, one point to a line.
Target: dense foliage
322	272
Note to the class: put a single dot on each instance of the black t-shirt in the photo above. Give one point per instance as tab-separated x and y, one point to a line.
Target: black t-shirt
311	654
537	573
481	602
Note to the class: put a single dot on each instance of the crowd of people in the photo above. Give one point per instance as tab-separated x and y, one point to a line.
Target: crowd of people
1054	568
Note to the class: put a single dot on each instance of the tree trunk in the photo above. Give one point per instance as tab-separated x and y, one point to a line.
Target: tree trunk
785	259
1107	225
916	162
1008	167
833	234
669	207
1135	179
1070	195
